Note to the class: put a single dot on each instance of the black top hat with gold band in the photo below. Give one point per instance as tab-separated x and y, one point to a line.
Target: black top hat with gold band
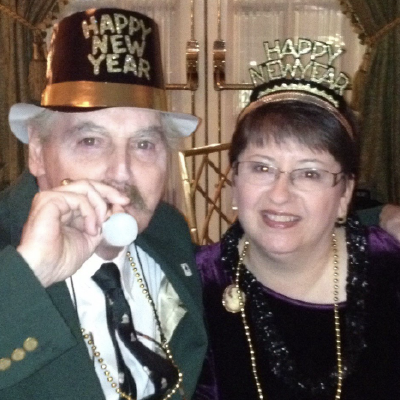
102	58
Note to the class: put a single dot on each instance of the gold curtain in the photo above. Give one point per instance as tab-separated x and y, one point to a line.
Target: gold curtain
377	94
16	51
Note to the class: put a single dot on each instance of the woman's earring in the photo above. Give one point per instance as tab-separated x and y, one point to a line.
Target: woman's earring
341	220
233	204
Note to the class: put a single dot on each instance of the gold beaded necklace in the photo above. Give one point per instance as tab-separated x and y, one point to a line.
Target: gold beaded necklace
164	344
234	300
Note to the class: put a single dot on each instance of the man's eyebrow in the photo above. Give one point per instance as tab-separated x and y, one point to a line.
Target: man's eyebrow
85	126
151	130
91	126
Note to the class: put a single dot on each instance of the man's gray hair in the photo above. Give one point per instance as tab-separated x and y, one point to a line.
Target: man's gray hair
45	123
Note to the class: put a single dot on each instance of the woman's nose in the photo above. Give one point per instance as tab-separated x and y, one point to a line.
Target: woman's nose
280	189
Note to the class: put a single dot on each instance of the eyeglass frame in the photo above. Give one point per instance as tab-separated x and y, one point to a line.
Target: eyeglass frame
278	172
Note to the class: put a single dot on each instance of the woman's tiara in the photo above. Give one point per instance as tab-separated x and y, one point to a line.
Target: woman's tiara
301	71
304	61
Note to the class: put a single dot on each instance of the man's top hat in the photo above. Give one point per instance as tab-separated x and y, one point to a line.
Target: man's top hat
102	58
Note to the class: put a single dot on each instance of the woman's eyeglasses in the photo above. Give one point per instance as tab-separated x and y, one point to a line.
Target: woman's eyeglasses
306	179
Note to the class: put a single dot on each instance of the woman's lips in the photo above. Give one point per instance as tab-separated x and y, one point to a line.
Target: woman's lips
279	220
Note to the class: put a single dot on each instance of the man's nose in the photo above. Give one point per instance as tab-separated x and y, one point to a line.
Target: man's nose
119	164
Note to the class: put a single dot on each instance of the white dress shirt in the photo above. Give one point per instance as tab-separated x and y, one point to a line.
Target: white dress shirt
90	304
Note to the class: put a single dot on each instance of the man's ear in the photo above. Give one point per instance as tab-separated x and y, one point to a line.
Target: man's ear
36	165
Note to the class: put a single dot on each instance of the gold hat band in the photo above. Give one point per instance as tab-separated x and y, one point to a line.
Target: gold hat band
87	94
299	96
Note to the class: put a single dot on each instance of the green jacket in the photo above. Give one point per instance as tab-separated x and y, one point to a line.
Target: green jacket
60	367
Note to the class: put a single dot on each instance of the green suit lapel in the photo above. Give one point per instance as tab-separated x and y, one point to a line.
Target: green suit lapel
20	201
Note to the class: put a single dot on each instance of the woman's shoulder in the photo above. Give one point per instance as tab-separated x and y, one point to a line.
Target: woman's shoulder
210	265
382	243
383	258
215	261
207	255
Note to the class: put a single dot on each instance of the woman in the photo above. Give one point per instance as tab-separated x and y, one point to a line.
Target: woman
301	301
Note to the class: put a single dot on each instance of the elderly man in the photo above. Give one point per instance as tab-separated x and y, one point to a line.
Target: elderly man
83	317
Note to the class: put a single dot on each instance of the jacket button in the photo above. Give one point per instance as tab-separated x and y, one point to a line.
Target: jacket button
18	354
30	344
5	363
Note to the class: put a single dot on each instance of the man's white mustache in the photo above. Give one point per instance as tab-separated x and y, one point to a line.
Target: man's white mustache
132	192
136	198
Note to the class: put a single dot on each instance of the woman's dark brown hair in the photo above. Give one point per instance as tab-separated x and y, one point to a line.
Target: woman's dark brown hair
308	124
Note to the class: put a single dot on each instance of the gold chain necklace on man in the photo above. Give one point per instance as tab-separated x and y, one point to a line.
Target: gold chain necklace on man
164	344
233	299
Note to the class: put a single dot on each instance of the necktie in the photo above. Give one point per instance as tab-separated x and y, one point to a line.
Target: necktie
119	320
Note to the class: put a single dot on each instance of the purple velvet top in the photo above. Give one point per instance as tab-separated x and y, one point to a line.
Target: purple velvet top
227	370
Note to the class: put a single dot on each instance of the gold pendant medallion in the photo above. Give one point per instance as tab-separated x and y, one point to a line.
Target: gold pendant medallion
233	299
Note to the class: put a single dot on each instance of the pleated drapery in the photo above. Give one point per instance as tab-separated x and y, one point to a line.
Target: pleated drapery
16	53
377	93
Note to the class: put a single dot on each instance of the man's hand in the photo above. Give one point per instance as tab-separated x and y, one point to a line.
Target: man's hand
389	220
64	228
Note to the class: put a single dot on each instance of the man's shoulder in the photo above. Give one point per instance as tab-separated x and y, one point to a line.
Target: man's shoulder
24	187
168	210
168	217
15	203
369	216
167	229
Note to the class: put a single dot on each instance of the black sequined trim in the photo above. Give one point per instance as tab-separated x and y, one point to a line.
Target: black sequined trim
282	365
